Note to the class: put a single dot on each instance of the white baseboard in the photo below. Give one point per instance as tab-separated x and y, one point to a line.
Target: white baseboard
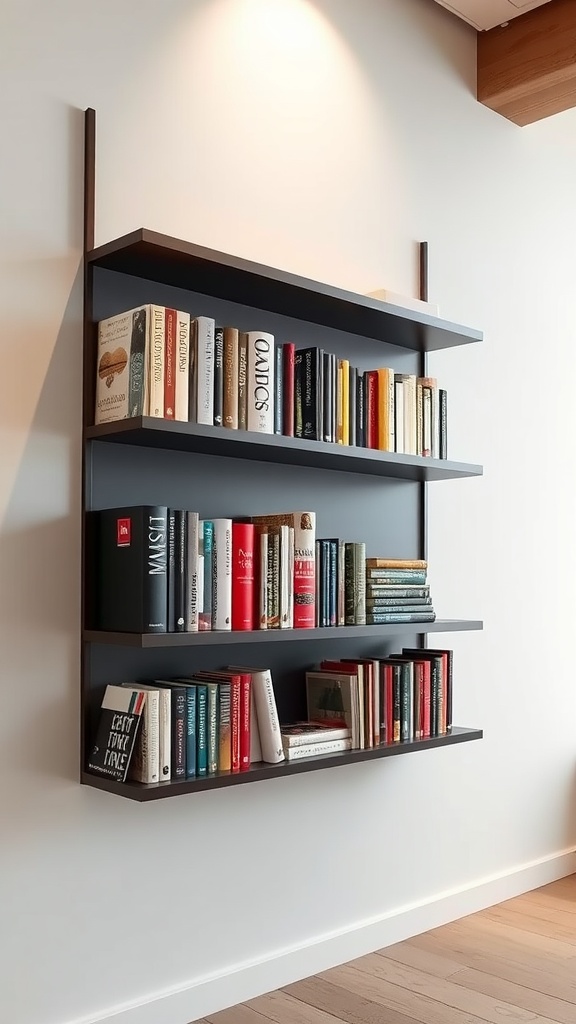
251	978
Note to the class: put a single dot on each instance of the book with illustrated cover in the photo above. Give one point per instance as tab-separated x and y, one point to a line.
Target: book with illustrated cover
120	716
122	365
333	699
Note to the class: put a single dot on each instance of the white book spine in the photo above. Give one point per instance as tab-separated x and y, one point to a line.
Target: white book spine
204	327
315	749
304	739
260	387
435	416
222	575
182	366
165	734
399	414
285	568
267	714
291	578
391	403
410	420
255	745
157	359
192	573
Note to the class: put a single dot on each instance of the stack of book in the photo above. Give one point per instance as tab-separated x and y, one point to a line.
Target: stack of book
312	739
397	591
161	362
178	729
404	697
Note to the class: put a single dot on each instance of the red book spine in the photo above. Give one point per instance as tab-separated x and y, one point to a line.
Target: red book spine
388	685
444	711
170	365
372	409
288	350
419	685
235	709
245	687
426	702
242	576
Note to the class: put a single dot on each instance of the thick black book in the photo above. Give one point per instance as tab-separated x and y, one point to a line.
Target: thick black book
116	732
218	375
130	567
312	369
171	570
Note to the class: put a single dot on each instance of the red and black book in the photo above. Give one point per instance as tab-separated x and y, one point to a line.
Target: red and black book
243	576
130	567
371	408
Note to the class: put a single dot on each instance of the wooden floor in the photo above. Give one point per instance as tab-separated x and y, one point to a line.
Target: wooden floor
514	962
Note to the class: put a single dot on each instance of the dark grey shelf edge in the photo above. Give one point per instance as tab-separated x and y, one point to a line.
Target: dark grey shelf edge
219	639
157	257
217	441
259	772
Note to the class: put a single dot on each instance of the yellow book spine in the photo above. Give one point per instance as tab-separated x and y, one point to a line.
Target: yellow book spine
339	405
345	401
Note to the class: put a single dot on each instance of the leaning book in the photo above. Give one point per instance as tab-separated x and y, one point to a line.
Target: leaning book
120	716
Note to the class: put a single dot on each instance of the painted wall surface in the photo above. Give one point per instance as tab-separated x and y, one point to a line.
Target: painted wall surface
325	138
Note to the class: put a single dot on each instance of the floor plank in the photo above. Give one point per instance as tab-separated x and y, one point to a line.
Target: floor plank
510	964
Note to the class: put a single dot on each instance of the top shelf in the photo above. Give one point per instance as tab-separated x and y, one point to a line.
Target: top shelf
166	260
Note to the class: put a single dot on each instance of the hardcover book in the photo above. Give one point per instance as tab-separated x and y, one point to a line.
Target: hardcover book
130	561
260	398
120	716
304	525
122	365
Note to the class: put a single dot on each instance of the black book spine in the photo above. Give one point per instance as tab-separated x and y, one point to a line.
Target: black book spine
156	570
320	384
278	389
218	375
310	393
352	389
327	398
171	570
298	405
181	551
334	396
443	400
349	585
333	604
137	364
179	730
325	583
360	415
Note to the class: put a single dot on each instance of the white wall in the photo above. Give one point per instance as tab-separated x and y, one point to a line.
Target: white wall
322	137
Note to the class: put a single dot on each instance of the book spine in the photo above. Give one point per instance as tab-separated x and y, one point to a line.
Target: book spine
419	418
179	732
245	717
395	593
151	745
426	422
285	572
339	402
262	590
273	580
360	410
182	385
171	623
201	730
317	749
207	537
138	363
443	401
191	575
155	604
410	415
180	590
204	330
235	726
398	604
435	414
291	578
427	715
298	394
397	563
288	352
242	576
230	386
397	699
385	416
418	698
268	724
399	443
349	577
341	583
381	618
310	393
304	569
304	739
164	734
157	361
352	396
326	433
212	726
278	389
191	713
371	379
333	584
405	701
402	576
318	586
242	380
222	575
218	406
360	583
170	364
261	382
224	736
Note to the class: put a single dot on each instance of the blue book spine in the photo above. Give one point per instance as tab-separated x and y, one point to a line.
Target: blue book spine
190	732
202	730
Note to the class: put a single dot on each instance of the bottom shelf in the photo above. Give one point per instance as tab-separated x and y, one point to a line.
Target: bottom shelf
257	772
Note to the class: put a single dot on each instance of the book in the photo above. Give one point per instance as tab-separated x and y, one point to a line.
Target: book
212	726
222	574
317	749
332	698
180	608
355	583
204	327
278	389
242	576
260	382
122	365
443	440
266	713
182	385
130	567
118	722
401	576
164	727
304	525
374	618
206	536
303	733
311	384
157	368
145	762
396	563
192	582
288	352
170	364
230	373
218	406
242	380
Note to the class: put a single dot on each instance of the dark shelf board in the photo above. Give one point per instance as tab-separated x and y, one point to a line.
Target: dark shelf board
156	257
259	636
146	431
260	771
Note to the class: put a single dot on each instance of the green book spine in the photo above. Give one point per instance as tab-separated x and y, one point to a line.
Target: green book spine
212	726
202	730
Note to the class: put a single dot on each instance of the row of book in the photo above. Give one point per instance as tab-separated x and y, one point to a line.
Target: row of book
159	569
156	361
225	720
